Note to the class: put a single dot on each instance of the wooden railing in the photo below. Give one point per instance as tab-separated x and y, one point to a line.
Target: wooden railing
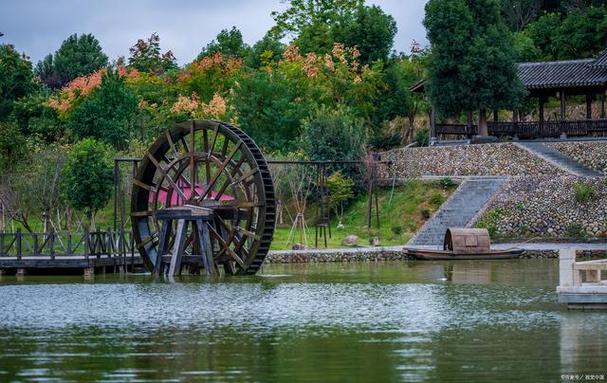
88	244
527	130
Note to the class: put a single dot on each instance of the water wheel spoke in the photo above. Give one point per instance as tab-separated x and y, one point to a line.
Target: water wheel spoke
193	163
223	165
172	144
247	233
152	238
213	141
228	181
139	214
249	173
164	173
226	246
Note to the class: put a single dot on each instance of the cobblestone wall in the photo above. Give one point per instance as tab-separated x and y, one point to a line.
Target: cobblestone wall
548	207
590	154
501	159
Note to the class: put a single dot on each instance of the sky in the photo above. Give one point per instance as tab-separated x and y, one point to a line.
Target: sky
38	27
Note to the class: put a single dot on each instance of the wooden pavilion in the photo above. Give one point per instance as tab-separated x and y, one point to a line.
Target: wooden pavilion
546	80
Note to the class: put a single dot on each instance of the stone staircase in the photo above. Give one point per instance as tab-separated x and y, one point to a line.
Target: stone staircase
558	159
459	210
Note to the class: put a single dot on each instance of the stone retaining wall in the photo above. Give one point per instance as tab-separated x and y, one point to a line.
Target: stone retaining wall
500	159
546	207
590	154
380	254
366	254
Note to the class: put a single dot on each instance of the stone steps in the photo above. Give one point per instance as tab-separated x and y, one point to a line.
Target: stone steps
559	159
458	210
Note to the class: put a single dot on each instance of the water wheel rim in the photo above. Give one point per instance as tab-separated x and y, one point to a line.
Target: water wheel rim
248	164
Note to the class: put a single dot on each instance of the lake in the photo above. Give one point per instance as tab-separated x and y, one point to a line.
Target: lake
367	322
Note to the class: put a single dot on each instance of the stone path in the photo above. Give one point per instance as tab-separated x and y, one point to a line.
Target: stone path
459	210
558	159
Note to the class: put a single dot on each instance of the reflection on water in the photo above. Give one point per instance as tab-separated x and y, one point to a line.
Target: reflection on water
415	321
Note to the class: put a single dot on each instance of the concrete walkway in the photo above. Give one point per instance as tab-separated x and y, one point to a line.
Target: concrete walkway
558	159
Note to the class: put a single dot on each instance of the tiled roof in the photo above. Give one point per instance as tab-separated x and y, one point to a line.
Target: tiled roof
601	61
556	74
563	74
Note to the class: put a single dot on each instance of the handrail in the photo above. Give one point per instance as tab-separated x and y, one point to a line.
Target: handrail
53	244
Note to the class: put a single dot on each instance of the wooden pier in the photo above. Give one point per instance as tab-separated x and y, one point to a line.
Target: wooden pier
67	253
580	283
84	253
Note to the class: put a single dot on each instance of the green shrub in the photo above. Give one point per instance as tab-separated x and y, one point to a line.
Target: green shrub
489	221
334	134
87	177
425	212
575	230
422	137
396	230
584	192
446	183
437	199
520	206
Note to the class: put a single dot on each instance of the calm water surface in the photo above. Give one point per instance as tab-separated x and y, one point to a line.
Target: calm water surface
393	322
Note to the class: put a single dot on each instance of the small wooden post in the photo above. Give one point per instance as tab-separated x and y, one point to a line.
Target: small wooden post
541	102
432	122
68	249
2	244
19	239
206	248
178	247
52	244
35	239
85	240
562	97
603	105
165	233
589	107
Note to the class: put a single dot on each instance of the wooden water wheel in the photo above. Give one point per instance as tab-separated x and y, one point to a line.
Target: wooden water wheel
203	194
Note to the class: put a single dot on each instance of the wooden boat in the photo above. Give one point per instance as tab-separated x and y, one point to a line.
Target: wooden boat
465	244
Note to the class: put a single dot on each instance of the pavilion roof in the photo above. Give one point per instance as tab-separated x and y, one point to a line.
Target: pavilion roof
601	61
563	74
555	75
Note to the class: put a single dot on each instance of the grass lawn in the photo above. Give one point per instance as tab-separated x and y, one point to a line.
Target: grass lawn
399	218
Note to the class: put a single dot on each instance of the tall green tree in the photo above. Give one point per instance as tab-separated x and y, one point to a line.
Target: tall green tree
270	108
107	114
87	177
16	79
316	25
77	56
472	64
311	21
147	57
583	33
371	30
334	134
267	50
228	42
519	13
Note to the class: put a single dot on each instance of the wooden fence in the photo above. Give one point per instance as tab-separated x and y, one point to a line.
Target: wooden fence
527	130
53	244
